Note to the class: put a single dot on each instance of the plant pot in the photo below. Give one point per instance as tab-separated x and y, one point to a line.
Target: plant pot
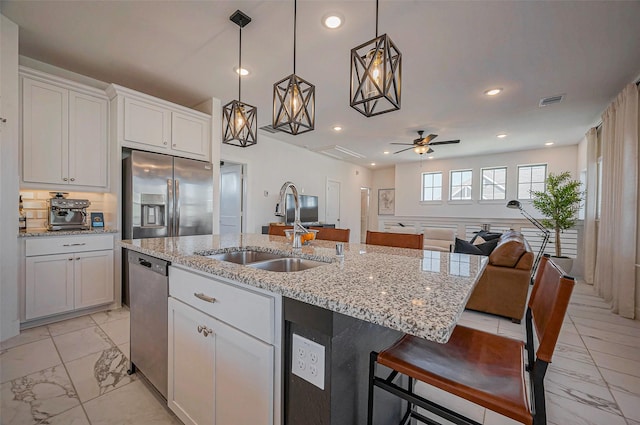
565	263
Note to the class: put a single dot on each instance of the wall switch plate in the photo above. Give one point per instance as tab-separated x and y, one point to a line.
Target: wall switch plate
307	360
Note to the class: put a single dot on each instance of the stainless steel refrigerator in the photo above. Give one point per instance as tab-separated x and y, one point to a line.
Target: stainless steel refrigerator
166	196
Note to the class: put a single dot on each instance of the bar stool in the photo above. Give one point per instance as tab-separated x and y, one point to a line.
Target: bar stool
483	368
329	234
276	230
398	240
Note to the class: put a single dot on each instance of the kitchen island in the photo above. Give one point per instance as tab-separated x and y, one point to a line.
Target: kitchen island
346	307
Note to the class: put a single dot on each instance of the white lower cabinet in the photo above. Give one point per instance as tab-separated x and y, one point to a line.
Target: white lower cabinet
218	374
58	283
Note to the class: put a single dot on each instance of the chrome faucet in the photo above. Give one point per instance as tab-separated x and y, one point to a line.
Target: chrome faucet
298	229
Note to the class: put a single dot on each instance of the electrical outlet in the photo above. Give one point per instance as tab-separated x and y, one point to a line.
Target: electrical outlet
308	360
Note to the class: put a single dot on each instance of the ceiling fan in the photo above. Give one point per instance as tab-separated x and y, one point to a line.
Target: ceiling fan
423	145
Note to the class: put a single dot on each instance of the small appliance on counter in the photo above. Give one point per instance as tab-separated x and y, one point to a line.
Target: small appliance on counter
67	214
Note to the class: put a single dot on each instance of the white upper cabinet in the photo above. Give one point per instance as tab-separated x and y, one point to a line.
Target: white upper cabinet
155	125
64	132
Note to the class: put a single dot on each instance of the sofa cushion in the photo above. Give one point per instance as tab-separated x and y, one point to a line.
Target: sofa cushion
509	250
488	247
464	247
487	236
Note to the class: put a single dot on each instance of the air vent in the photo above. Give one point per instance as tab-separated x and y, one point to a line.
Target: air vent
269	129
546	101
338	152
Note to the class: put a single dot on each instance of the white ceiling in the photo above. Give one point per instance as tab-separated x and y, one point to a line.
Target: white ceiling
185	52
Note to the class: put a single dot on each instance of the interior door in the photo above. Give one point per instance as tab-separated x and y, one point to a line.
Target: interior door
231	193
332	215
365	193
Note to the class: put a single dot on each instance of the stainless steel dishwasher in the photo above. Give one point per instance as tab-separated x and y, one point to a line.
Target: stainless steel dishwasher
148	299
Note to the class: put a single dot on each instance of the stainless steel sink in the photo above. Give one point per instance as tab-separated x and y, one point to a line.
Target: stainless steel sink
244	257
287	265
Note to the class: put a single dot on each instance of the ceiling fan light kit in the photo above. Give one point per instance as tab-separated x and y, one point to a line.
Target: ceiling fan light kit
294	98
376	75
239	119
422	145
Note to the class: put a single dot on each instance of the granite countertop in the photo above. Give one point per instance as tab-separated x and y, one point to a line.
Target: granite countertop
43	232
422	293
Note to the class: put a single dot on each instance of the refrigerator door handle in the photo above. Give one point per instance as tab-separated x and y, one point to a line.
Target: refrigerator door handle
170	226
177	209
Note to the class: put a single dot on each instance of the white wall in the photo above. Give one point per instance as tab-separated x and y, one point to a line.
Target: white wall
408	181
270	163
9	179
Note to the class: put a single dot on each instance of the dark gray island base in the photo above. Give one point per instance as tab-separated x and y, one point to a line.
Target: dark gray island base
348	342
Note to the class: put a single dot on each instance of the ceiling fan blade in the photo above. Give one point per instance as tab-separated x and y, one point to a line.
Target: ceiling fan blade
430	151
406	144
444	142
430	138
403	150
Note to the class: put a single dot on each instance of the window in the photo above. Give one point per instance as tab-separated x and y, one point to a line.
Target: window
461	185
494	183
432	186
531	177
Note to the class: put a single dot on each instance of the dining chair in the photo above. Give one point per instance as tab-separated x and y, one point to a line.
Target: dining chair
330	234
398	240
276	230
483	368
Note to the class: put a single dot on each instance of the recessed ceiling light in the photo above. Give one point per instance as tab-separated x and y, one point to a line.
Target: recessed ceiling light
430	157
501	135
241	71
337	128
548	144
332	20
386	152
373	164
493	92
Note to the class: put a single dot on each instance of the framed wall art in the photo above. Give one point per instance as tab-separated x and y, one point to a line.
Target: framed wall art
386	201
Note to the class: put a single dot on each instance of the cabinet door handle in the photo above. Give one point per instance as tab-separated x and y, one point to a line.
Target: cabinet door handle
75	244
206	331
70	259
72	179
165	143
64	179
3	120
204	297
200	328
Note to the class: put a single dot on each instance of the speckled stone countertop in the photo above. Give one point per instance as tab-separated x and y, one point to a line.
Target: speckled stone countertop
36	233
422	293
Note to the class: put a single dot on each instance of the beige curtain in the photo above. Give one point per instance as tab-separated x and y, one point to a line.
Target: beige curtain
591	189
615	274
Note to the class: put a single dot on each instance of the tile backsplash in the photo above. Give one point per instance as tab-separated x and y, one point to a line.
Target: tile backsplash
34	203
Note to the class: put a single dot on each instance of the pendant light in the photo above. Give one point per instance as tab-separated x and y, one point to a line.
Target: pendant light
239	120
294	99
376	69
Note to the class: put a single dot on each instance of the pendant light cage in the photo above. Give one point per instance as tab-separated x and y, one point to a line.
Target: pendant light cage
294	98
240	123
376	74
239	119
294	104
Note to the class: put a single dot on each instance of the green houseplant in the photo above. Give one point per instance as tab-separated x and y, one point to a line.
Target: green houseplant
559	203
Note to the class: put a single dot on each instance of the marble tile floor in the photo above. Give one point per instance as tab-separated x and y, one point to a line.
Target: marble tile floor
74	372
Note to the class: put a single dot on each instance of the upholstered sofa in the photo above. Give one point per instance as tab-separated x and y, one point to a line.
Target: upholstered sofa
504	285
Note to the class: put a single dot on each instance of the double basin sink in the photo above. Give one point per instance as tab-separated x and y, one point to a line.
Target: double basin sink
267	261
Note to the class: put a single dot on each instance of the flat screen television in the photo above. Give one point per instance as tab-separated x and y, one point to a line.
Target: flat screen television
308	209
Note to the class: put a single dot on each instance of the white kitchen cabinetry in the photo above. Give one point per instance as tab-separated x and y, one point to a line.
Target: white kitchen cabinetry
218	372
152	124
67	273
64	132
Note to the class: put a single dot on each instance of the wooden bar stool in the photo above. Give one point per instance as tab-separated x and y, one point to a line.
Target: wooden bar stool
398	240
276	230
483	368
329	234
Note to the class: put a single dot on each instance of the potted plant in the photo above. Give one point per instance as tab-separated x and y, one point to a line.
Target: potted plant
559	203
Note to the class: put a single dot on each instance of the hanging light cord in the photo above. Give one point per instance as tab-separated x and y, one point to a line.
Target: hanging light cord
240	64
295	16
376	18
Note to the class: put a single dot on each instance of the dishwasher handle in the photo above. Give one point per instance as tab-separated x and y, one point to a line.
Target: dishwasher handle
144	263
153	264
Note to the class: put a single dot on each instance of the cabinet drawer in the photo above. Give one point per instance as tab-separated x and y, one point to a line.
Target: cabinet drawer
246	310
64	244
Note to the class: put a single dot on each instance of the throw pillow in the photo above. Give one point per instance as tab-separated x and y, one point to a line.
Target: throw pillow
477	240
464	247
488	247
487	236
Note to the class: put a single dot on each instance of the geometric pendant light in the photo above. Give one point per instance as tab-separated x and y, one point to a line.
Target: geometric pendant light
294	99
376	74
239	120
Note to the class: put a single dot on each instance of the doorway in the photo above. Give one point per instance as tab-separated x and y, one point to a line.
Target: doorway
365	194
232	197
332	212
